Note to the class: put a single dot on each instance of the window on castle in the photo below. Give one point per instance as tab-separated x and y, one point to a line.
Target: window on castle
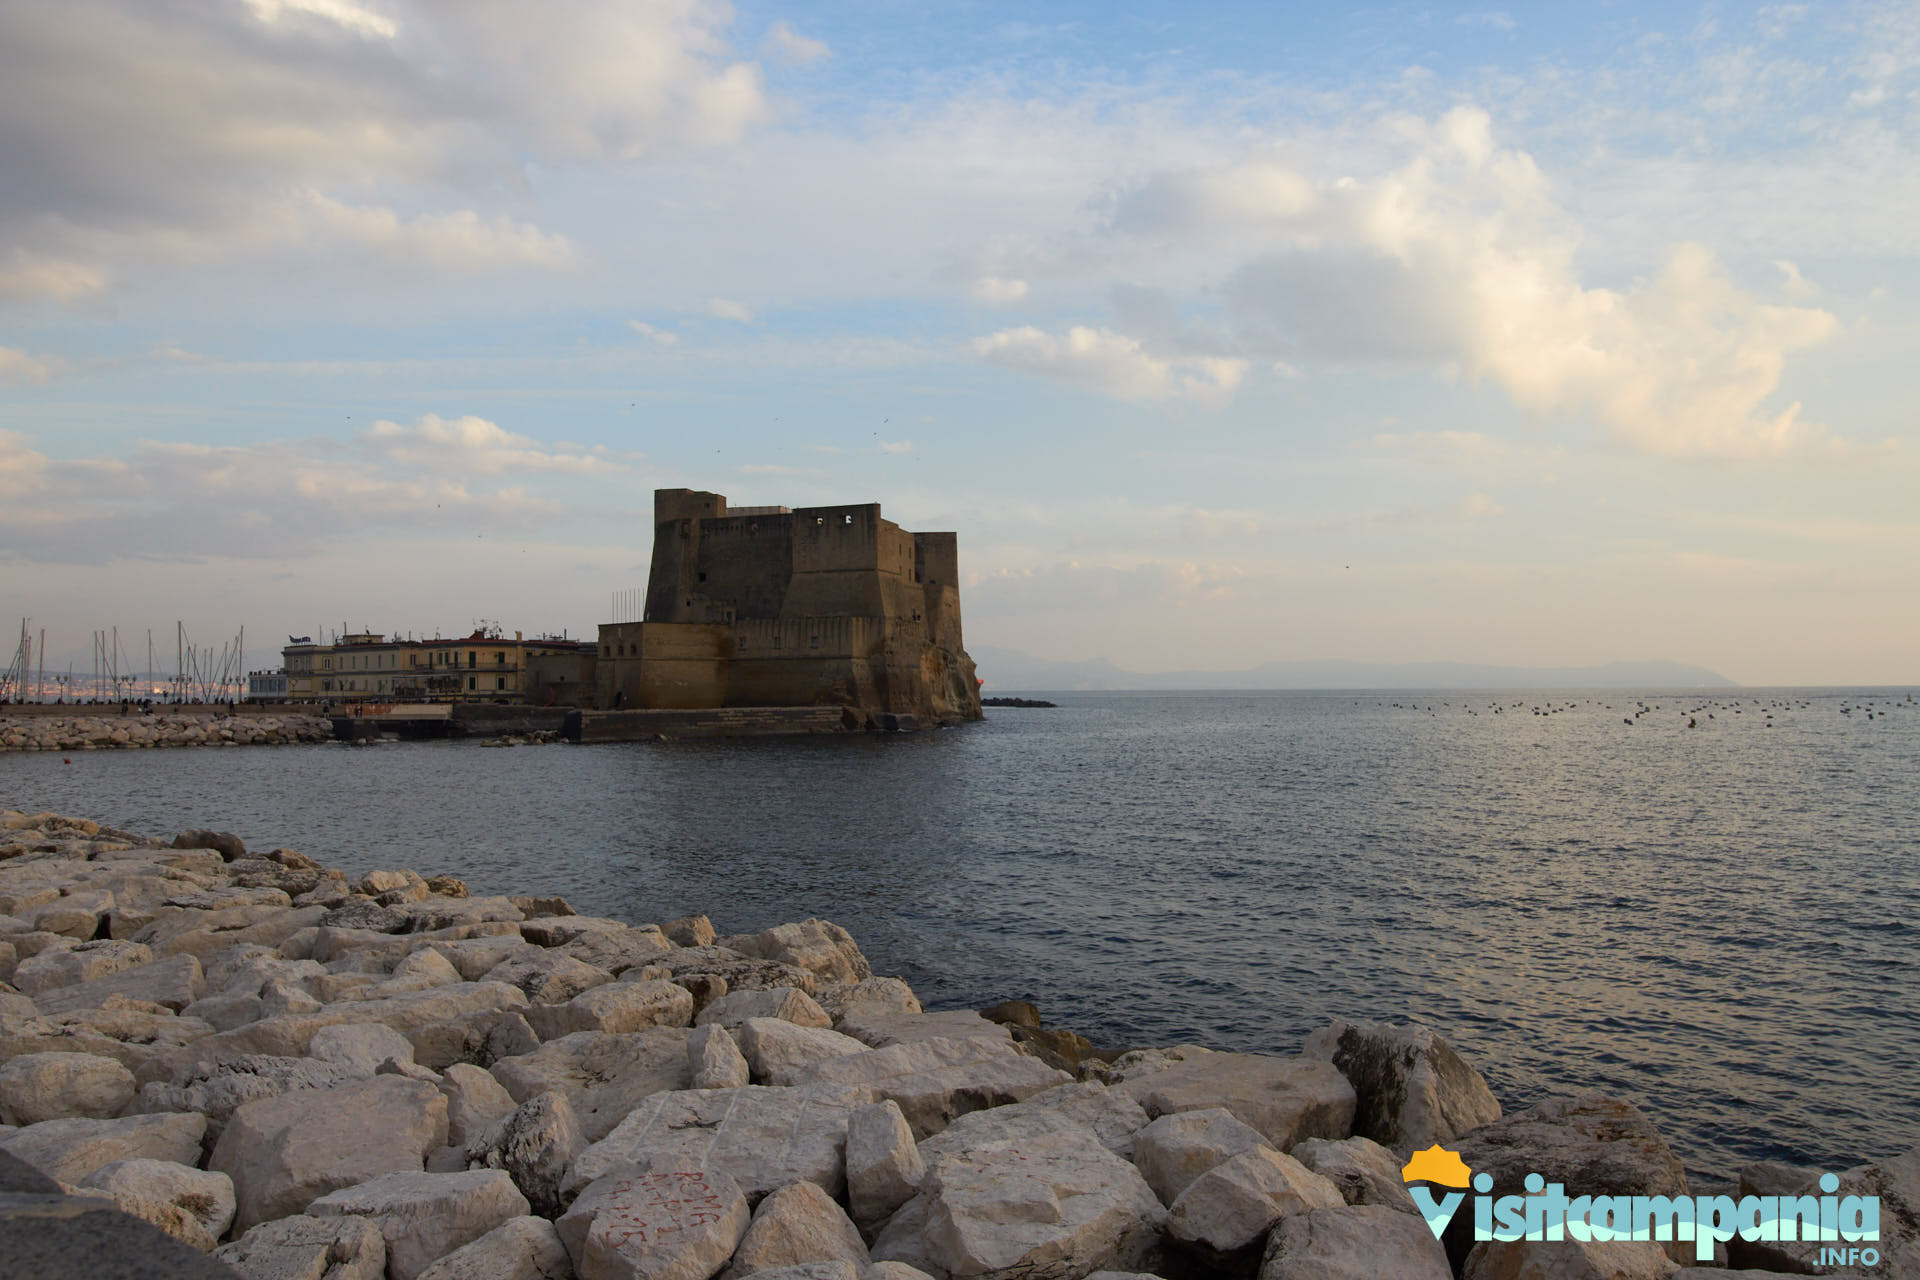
815	644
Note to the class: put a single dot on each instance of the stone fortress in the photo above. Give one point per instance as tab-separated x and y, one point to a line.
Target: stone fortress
771	607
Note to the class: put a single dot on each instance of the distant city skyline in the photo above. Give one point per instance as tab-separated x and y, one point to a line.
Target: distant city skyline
1221	335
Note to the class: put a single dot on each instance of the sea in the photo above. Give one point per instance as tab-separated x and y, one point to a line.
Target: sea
1706	902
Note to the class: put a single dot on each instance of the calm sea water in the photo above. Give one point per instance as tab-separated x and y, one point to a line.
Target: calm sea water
1720	922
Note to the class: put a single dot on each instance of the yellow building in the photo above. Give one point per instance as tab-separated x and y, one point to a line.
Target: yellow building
368	667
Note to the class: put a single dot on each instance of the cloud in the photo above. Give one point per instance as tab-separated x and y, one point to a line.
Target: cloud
788	45
728	309
136	135
285	499
1112	363
998	292
1793	283
18	366
344	14
459	242
896	446
25	276
665	337
1441	446
1457	260
474	446
1478	506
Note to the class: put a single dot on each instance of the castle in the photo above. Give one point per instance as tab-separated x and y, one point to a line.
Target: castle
770	607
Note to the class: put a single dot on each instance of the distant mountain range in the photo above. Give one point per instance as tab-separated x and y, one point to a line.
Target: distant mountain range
1009	669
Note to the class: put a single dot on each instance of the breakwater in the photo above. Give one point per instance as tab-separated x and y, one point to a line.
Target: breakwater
306	1074
113	731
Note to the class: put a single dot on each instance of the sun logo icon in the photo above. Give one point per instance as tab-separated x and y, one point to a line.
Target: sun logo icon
1443	1168
1438	1165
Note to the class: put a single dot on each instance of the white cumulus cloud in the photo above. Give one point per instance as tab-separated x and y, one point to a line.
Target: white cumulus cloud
1112	363
134	135
461	241
788	45
665	337
1458	260
472	445
997	291
18	366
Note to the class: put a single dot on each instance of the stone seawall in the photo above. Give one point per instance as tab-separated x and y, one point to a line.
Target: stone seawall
165	729
277	1072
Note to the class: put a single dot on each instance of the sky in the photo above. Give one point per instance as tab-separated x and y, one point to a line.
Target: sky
1220	334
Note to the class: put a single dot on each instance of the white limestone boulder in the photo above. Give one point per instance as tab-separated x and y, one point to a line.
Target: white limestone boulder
820	1271
1570	1260
1411	1089
1231	1206
617	951
936	1080
548	977
360	1047
663	1220
50	1086
797	1225
1354	1242
874	997
434	1020
535	1144
901	1271
82	963
884	1167
762	1138
174	982
474	1101
473	957
1175	1149
714	1060
171	1219
1365	1172
306	1248
1285	1100
1115	1118
615	1007
423	1216
604	1076
1050	1204
786	1003
526	1248
204	1195
781	1052
69	1150
285	1152
880	1030
218	1091
823	949
689	931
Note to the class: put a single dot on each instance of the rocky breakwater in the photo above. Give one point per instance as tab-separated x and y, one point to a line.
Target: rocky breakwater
106	732
278	1073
